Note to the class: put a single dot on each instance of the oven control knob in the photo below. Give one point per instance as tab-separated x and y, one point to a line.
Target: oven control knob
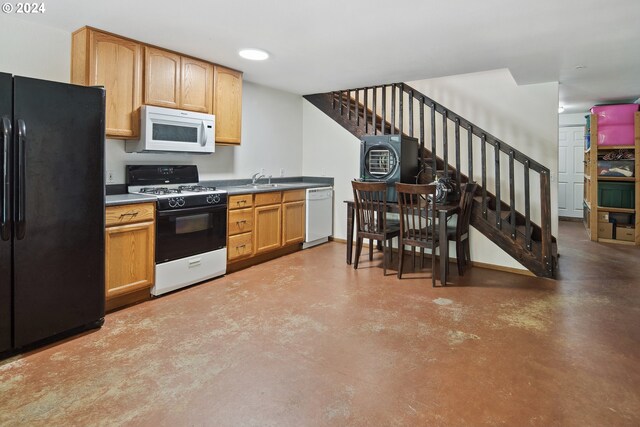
210	199
173	202
216	198
180	202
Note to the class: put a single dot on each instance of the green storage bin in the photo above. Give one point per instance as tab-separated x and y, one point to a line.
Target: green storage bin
617	194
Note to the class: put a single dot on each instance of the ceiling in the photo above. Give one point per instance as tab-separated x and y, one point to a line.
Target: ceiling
319	46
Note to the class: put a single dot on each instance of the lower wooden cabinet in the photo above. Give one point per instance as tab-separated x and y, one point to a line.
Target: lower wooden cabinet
129	250
263	222
267	233
293	222
240	246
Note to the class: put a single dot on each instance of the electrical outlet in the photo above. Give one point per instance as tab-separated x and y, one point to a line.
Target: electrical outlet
109	177
281	172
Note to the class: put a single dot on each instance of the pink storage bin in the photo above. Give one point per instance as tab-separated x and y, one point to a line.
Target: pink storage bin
616	135
618	114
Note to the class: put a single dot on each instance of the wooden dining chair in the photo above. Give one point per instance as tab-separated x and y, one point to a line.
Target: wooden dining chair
371	220
417	222
459	232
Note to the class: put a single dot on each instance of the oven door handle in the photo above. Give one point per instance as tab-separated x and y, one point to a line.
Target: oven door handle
190	211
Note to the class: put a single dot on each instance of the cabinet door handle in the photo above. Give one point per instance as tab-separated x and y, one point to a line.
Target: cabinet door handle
242	221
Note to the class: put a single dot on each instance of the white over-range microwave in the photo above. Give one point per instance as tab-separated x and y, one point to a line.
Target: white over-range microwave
170	130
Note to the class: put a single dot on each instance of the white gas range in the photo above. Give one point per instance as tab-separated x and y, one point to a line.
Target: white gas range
191	225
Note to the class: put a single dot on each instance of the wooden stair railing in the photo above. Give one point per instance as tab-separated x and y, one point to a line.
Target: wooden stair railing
358	111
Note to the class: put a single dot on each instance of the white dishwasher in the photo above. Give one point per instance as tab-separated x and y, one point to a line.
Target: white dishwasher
319	216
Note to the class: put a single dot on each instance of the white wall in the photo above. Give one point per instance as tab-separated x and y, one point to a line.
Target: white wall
271	119
271	139
575	119
33	50
330	150
524	116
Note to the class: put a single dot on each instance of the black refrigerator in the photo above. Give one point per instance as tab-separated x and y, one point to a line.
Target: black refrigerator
51	210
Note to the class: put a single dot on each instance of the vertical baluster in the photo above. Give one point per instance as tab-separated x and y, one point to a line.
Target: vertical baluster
434	160
470	149
422	165
400	108
349	104
333	100
483	153
497	176
411	113
357	107
527	205
393	109
383	124
340	102
512	195
545	219
374	109
365	107
445	144
457	138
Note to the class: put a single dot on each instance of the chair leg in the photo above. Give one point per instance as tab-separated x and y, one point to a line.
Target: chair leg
400	255
413	257
446	260
433	266
384	257
371	249
359	241
467	252
421	257
460	258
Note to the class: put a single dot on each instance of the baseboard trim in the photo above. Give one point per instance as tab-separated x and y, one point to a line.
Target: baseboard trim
570	218
478	264
496	267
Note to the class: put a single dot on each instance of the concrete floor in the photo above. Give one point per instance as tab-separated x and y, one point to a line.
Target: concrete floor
306	340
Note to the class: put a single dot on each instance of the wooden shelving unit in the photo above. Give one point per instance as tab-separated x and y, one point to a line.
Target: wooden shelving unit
591	185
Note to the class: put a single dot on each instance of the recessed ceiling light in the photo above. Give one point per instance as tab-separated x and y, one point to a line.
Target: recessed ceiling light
560	109
580	67
254	54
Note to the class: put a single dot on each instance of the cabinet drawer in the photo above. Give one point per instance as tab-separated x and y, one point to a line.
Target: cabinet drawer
127	214
240	221
273	198
240	201
293	196
240	246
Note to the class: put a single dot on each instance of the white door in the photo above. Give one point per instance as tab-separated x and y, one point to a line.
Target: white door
571	171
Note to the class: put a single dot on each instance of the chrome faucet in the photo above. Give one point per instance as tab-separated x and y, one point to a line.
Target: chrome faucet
255	178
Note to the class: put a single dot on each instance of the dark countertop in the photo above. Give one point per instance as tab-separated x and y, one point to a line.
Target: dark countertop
116	194
246	189
127	199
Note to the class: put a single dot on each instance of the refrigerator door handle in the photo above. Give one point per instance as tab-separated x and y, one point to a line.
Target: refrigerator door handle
5	221
21	225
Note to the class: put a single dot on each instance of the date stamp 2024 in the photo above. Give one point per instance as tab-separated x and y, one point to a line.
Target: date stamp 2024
23	8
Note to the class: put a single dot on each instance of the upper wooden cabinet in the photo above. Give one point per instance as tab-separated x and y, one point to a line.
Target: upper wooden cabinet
227	105
175	81
170	80
161	78
99	59
197	85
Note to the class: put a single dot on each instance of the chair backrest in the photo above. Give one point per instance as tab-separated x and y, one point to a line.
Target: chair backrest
466	204
370	204
413	201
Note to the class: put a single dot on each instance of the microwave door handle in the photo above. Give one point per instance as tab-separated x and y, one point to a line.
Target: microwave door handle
204	133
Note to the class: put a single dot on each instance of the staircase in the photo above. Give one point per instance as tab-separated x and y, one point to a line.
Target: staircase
399	109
